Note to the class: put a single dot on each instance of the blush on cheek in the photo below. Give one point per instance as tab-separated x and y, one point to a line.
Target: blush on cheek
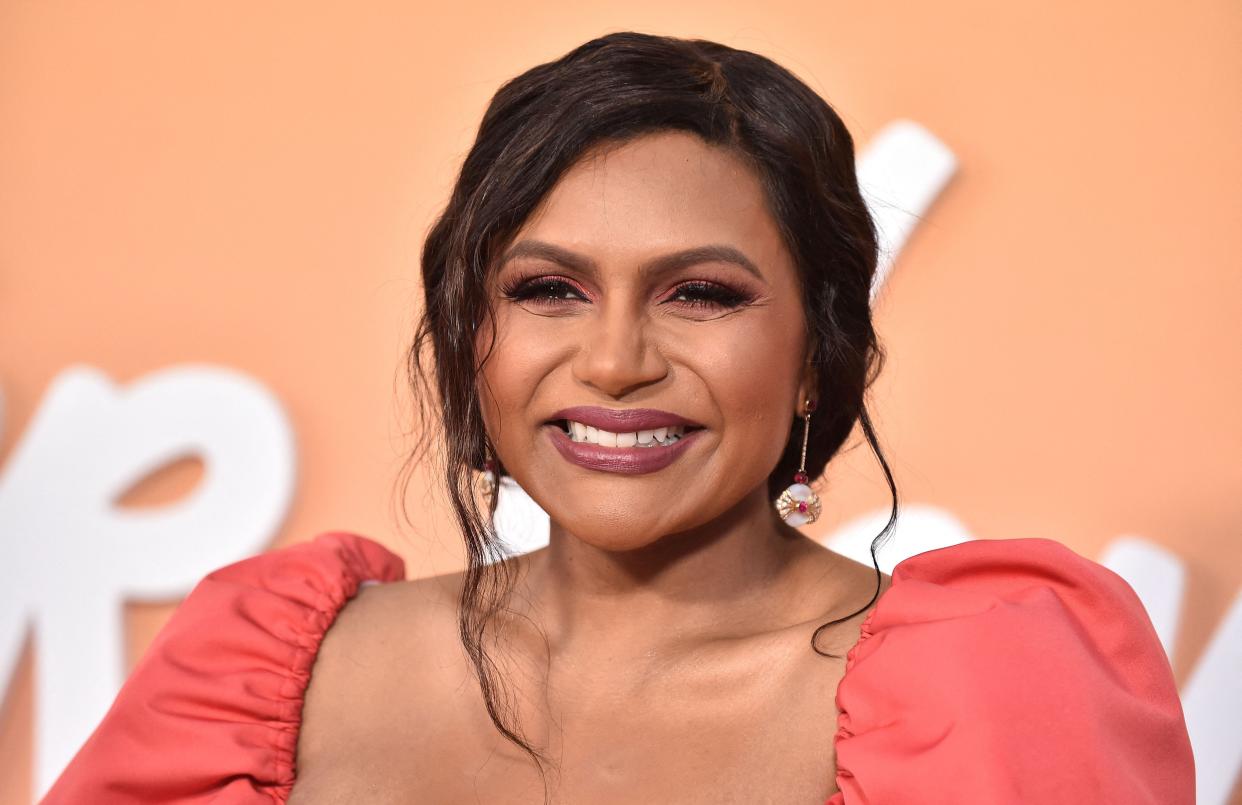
515	374
751	374
758	366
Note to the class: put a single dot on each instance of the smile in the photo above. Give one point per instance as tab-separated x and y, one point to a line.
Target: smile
626	453
655	437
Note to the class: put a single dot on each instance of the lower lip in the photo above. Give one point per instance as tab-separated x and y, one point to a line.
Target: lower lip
623	460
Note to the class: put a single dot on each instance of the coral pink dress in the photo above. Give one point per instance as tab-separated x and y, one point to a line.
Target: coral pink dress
992	672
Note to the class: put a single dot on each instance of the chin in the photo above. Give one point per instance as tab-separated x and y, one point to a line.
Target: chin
608	533
613	516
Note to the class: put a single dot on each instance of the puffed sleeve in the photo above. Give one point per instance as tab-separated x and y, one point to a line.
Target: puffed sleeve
1009	671
212	711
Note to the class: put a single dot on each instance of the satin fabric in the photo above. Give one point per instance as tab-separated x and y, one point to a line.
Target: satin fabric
1010	671
991	672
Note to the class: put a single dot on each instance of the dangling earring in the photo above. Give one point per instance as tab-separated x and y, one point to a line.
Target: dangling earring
798	504
488	481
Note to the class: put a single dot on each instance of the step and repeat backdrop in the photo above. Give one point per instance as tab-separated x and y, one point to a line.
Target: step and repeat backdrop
210	221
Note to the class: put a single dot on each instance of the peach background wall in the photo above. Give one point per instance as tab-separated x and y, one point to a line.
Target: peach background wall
248	184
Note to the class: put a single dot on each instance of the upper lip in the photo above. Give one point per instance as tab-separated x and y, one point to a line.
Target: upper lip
622	420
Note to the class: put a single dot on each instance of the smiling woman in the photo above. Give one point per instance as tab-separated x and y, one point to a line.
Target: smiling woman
668	287
648	302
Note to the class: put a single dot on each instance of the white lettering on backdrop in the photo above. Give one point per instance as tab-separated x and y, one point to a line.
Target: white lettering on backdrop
72	558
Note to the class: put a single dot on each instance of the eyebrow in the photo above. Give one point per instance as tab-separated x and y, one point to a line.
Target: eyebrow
713	252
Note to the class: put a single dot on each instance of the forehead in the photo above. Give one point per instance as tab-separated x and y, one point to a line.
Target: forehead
655	193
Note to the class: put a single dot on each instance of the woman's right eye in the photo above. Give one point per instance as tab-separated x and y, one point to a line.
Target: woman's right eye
543	290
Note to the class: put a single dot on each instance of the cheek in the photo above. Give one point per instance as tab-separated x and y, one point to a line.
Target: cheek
752	375
759	362
512	373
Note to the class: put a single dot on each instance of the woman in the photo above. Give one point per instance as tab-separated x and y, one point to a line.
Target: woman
648	303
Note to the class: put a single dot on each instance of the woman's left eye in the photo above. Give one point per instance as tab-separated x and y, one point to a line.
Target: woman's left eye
707	294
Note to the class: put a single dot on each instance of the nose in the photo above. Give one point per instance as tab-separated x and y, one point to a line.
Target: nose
617	357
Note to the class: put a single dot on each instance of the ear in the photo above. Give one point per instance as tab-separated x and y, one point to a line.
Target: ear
808	388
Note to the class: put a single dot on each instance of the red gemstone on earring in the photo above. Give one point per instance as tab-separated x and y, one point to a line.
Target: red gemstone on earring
802	507
810	406
800	477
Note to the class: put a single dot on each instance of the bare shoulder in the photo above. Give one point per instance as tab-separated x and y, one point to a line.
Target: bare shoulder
391	647
859	575
841	586
847	574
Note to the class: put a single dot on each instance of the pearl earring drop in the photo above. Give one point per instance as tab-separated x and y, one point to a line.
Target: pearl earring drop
488	479
798	504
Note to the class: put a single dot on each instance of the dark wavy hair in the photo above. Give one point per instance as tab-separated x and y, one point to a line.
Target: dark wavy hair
609	91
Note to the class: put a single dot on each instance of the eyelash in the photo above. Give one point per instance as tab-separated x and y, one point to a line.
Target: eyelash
550	290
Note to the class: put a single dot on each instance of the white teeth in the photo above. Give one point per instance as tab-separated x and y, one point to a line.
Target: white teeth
656	437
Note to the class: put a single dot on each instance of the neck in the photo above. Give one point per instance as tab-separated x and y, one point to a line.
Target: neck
727	578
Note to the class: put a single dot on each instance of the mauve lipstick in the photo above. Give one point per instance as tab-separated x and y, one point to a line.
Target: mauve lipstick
622	460
622	420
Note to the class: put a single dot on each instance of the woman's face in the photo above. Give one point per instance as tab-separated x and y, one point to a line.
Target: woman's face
652	277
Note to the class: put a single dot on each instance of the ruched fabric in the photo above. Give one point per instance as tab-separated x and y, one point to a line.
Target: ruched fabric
997	672
1009	671
211	713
